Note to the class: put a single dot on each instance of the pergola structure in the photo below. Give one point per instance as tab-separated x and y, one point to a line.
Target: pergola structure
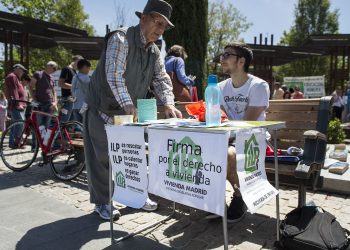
337	46
26	33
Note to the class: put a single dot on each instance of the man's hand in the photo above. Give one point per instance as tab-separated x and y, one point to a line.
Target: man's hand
131	110
171	112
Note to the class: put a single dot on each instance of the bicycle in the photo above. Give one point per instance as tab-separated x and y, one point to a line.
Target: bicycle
62	147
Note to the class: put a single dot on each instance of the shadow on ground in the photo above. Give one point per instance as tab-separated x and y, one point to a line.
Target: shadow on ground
75	233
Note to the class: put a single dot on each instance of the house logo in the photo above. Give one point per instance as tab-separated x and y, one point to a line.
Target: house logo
180	155
120	179
251	153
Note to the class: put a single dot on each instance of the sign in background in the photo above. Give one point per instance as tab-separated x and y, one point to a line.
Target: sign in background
311	86
251	150
127	154
189	168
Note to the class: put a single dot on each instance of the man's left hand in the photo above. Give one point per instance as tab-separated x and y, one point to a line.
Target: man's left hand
172	112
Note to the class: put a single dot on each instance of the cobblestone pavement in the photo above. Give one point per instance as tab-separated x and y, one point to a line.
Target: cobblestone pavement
187	229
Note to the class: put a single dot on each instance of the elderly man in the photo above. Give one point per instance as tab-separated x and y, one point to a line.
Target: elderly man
14	91
42	90
128	66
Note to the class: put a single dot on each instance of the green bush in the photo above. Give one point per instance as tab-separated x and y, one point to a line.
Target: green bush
335	132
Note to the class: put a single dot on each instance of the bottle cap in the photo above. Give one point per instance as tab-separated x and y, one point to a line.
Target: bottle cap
212	79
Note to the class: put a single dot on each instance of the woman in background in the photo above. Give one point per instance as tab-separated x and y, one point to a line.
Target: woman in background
175	67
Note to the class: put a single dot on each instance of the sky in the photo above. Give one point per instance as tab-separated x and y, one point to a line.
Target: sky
267	16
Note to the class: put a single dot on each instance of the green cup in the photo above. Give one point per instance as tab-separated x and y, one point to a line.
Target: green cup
146	109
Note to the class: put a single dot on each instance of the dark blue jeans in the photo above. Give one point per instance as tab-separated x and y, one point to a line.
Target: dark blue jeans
44	119
16	115
66	110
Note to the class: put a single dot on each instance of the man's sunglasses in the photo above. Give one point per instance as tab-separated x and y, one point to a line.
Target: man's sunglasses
227	55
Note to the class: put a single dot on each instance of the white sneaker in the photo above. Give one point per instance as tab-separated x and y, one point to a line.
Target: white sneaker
150	205
105	212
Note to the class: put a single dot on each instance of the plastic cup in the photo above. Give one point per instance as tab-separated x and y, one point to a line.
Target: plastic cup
146	109
121	119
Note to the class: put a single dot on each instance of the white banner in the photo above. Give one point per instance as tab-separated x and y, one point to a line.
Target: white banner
251	150
189	168
127	154
311	86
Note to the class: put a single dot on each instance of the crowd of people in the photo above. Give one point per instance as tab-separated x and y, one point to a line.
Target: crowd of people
40	88
282	92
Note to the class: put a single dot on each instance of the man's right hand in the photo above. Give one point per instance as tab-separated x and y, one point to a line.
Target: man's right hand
131	110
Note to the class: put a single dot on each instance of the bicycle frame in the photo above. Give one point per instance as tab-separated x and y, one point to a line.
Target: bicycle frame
32	122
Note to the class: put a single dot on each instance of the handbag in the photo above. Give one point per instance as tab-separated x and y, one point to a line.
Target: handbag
181	92
311	228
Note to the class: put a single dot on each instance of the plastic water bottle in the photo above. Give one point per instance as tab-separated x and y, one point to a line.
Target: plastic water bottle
42	131
212	102
47	136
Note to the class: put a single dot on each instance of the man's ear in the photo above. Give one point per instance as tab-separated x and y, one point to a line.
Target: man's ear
242	61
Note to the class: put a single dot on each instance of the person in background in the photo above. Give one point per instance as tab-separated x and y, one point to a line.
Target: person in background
338	104
42	90
129	64
65	82
297	94
284	88
14	91
3	111
287	95
175	67
347	110
291	90
26	84
278	91
80	84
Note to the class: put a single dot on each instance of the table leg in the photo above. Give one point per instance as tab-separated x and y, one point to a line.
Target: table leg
224	223
111	203
276	184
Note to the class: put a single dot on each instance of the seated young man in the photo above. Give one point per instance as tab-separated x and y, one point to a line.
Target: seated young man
244	97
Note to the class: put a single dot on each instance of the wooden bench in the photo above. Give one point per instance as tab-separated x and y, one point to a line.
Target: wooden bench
300	116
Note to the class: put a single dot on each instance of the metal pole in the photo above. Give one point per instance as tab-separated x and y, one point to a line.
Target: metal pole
111	203
276	184
224	224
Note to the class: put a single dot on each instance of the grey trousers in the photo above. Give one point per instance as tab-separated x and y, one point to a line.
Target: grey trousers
96	157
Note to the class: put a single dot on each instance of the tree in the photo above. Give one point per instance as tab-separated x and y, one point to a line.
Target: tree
226	24
120	16
312	17
190	18
66	12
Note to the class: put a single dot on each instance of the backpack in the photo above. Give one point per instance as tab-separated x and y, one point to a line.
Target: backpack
311	228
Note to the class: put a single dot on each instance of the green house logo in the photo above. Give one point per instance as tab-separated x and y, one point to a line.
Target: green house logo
251	152
120	179
182	153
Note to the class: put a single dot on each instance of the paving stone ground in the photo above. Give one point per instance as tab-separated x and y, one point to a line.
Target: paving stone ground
187	229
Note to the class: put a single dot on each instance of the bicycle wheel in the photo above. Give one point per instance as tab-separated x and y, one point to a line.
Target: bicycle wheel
69	162
19	146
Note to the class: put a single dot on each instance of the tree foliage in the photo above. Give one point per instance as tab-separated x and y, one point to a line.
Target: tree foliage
190	18
312	17
65	12
226	24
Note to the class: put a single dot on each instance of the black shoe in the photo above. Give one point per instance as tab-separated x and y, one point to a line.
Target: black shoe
236	210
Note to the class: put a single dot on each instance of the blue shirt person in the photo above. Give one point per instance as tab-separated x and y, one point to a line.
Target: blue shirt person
80	84
174	63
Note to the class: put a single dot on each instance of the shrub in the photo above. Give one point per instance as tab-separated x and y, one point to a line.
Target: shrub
335	132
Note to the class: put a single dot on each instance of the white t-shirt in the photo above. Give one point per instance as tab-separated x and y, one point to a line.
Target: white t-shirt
254	92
